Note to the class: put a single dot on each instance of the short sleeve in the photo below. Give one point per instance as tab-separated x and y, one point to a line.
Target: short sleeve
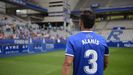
69	48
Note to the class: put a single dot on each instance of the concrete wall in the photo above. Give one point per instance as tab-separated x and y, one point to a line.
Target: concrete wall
55	9
73	3
2	7
44	3
54	19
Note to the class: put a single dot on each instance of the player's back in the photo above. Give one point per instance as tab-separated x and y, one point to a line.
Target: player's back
88	51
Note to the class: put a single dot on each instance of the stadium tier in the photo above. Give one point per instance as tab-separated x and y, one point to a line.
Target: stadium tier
119	3
120	23
11	28
15	28
107	27
126	35
103	4
115	23
87	3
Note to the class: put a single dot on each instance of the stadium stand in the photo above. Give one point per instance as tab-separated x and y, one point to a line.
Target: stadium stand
86	4
103	3
100	25
106	27
16	28
120	23
114	23
125	36
119	3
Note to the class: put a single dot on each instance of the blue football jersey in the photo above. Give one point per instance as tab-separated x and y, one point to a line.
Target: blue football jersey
88	49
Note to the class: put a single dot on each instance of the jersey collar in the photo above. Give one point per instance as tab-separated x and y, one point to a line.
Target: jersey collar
86	31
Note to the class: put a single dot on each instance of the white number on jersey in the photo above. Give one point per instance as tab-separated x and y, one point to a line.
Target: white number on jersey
92	61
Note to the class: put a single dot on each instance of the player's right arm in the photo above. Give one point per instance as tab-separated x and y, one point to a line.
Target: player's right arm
67	65
68	58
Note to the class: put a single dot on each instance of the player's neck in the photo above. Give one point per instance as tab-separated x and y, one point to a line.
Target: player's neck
86	29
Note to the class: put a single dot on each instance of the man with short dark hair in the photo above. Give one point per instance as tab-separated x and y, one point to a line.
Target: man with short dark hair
87	50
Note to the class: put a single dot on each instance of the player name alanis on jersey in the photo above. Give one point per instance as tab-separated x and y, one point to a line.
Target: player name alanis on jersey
90	41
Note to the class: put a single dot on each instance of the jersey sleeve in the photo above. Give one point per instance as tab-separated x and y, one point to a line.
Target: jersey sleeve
69	48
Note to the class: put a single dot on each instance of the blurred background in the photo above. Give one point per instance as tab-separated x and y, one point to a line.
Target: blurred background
33	34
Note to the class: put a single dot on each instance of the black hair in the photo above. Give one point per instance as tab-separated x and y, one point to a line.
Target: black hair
88	19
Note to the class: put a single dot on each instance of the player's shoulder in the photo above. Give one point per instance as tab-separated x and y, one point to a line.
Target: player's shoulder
71	37
74	36
101	39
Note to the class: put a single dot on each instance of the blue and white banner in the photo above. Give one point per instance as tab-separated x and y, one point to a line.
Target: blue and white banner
15	47
13	41
1	49
19	46
120	44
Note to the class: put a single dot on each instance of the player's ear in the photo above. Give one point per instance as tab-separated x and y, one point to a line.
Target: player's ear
80	23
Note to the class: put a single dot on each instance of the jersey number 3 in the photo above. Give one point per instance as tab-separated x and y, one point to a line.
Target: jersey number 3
91	61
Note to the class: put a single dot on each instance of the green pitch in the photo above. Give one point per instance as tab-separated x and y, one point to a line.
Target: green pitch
121	63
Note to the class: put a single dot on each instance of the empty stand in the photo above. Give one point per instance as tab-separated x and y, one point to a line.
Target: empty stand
120	23
121	3
104	3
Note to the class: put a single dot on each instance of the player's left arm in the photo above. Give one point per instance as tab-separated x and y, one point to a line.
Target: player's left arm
106	57
66	70
106	62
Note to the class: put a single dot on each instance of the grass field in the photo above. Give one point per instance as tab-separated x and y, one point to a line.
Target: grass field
121	63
